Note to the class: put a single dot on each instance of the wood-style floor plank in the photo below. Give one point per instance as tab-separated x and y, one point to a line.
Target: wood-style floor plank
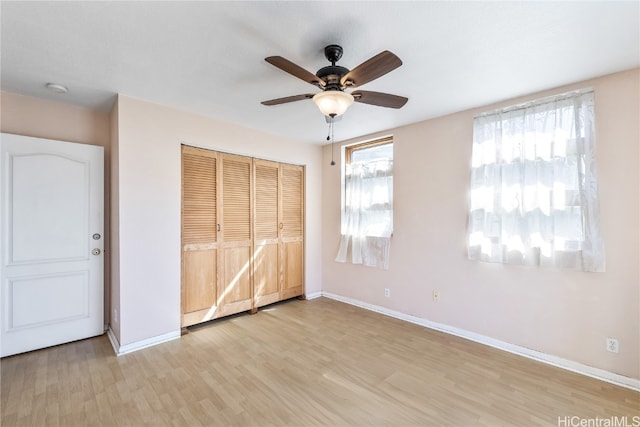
300	363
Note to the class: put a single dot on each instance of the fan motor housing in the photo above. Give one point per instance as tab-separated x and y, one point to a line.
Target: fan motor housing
332	74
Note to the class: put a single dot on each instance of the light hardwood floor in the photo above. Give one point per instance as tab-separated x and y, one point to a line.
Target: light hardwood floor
301	363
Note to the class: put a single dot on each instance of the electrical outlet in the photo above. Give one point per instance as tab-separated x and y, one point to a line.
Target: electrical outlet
436	296
387	292
612	345
115	315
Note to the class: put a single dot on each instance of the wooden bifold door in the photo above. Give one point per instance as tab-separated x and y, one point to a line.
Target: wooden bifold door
242	233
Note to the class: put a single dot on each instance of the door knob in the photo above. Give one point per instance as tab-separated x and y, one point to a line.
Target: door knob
95	251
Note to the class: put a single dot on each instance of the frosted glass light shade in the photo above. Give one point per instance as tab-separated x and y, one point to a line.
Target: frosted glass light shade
333	102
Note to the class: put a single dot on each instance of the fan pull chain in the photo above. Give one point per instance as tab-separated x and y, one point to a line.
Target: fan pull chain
331	138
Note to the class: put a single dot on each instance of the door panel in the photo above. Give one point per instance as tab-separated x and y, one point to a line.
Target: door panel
29	299
199	290
200	280
52	206
292	233
266	199
292	201
199	196
33	237
266	277
236	198
267	228
237	274
235	204
293	273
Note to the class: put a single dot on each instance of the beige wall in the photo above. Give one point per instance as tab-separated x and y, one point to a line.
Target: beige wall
148	210
563	313
113	311
25	115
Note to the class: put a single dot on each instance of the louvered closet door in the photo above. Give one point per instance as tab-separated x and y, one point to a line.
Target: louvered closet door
292	231
266	276
199	236
235	287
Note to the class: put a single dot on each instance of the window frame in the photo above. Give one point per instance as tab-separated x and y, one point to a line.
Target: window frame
347	152
349	149
366	229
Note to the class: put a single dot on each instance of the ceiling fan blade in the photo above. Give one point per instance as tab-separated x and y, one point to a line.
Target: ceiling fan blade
287	99
295	70
380	99
371	69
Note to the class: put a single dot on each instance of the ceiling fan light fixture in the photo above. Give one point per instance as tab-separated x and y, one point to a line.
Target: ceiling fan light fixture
333	102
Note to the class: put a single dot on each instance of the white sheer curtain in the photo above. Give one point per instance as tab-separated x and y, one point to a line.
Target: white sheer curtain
533	193
367	221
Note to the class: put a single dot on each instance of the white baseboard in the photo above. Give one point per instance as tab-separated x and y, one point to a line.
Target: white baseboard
139	345
600	374
113	340
313	295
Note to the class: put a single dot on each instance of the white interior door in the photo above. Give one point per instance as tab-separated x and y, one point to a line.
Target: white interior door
51	269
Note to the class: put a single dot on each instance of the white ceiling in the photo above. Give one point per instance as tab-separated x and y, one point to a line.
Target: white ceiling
208	57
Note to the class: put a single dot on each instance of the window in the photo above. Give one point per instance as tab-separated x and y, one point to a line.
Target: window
533	186
367	216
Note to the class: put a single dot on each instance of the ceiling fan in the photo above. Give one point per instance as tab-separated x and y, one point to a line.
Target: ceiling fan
334	79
